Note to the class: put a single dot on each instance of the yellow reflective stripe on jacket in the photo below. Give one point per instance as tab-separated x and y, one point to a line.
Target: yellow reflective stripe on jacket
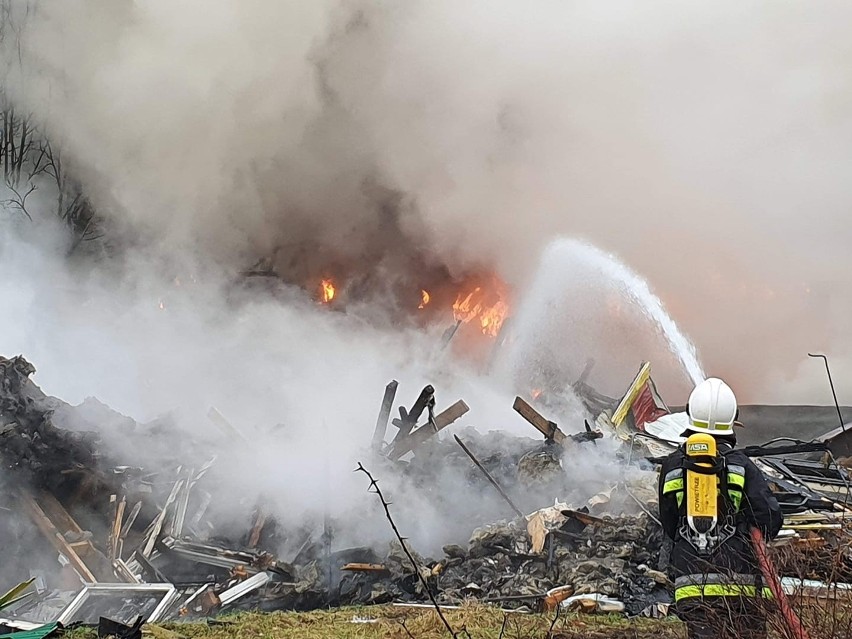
672	485
736	484
720	590
736	479
673	482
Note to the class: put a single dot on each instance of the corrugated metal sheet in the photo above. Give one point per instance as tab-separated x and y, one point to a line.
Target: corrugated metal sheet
35	633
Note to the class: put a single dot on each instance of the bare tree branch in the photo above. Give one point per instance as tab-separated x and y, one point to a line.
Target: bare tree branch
374	486
553	622
20	201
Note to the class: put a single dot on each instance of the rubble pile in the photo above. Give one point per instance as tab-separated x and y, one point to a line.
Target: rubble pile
610	557
148	543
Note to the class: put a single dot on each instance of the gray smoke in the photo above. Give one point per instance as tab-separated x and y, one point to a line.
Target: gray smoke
704	144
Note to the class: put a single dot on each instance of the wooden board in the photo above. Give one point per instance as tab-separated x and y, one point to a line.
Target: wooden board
546	427
55	537
364	568
426	431
384	414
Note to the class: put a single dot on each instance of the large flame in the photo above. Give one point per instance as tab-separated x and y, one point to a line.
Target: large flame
327	291
489	309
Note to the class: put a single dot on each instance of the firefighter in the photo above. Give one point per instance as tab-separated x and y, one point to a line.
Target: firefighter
718	588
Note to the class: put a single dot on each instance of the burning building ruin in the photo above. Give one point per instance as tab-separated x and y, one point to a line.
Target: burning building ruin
238	229
90	527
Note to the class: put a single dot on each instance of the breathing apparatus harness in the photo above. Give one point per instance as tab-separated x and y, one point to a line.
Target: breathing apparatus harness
705	485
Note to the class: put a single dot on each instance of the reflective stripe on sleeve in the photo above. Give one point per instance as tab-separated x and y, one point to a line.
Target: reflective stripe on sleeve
674	474
720	590
736	469
672	486
702	579
736	480
736	498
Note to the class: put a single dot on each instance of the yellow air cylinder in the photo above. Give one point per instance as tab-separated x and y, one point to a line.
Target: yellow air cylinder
701	490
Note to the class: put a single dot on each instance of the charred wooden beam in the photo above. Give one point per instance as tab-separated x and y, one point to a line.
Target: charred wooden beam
384	414
448	335
427	430
587	370
546	427
585	518
408	419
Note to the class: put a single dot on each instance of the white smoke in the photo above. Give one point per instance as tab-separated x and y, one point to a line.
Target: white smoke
703	144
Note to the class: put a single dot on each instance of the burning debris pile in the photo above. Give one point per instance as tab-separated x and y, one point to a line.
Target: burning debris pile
143	543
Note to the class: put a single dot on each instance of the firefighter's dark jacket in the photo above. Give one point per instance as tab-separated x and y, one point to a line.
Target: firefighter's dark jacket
757	507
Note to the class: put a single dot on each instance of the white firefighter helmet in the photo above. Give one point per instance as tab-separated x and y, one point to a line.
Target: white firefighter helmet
712	408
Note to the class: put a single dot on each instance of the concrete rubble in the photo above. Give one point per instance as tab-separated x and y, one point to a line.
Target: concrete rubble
109	539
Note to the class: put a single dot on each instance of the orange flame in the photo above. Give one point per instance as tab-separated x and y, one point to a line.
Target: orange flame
492	318
424	298
536	393
474	306
327	291
465	310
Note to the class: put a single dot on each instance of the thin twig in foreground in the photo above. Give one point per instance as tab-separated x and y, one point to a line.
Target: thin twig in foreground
404	627
503	627
374	485
553	621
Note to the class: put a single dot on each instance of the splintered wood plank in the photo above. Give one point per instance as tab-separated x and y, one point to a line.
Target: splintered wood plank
426	431
55	537
546	427
114	545
364	568
257	527
57	513
157	525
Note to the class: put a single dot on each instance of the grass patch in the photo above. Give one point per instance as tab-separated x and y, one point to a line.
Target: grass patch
481	622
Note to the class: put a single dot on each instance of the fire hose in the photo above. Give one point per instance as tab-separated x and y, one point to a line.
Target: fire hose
791	619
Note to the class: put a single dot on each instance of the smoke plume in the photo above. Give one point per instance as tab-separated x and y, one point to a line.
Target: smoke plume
704	144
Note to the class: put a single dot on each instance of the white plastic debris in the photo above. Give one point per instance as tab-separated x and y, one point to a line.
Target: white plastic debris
601	602
669	427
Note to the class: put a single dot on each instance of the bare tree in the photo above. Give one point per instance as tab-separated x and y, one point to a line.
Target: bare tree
29	160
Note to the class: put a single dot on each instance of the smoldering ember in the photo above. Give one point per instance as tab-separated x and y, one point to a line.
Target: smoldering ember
96	536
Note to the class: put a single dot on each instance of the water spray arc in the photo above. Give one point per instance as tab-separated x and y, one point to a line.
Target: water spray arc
638	290
567	258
